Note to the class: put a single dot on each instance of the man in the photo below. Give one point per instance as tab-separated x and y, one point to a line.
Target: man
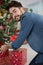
31	30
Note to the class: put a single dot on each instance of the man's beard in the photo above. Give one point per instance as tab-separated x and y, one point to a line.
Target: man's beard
18	18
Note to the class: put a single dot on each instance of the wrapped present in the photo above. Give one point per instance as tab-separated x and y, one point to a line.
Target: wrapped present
19	58
5	58
14	57
6	53
24	56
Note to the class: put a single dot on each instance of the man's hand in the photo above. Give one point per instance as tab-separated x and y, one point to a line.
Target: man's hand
19	49
25	42
4	47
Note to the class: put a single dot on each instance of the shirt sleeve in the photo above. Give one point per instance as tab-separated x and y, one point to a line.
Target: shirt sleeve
23	33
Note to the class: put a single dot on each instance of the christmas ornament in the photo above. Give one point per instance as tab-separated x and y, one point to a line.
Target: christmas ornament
13	38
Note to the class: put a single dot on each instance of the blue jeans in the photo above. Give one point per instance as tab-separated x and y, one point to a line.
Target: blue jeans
33	62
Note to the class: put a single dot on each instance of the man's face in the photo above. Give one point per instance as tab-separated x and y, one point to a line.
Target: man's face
16	13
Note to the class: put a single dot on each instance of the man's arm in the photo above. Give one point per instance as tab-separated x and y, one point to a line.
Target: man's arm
21	37
23	33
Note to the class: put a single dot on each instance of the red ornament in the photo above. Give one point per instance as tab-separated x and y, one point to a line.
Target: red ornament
13	38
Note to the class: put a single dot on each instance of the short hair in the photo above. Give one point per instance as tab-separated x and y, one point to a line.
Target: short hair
13	4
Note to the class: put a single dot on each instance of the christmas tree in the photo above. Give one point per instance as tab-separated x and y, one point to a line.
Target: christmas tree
7	24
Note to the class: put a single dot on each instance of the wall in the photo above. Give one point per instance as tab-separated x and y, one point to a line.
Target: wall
36	5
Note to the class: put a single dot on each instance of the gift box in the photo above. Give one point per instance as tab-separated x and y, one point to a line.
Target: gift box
6	53
5	58
18	58
24	56
14	57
